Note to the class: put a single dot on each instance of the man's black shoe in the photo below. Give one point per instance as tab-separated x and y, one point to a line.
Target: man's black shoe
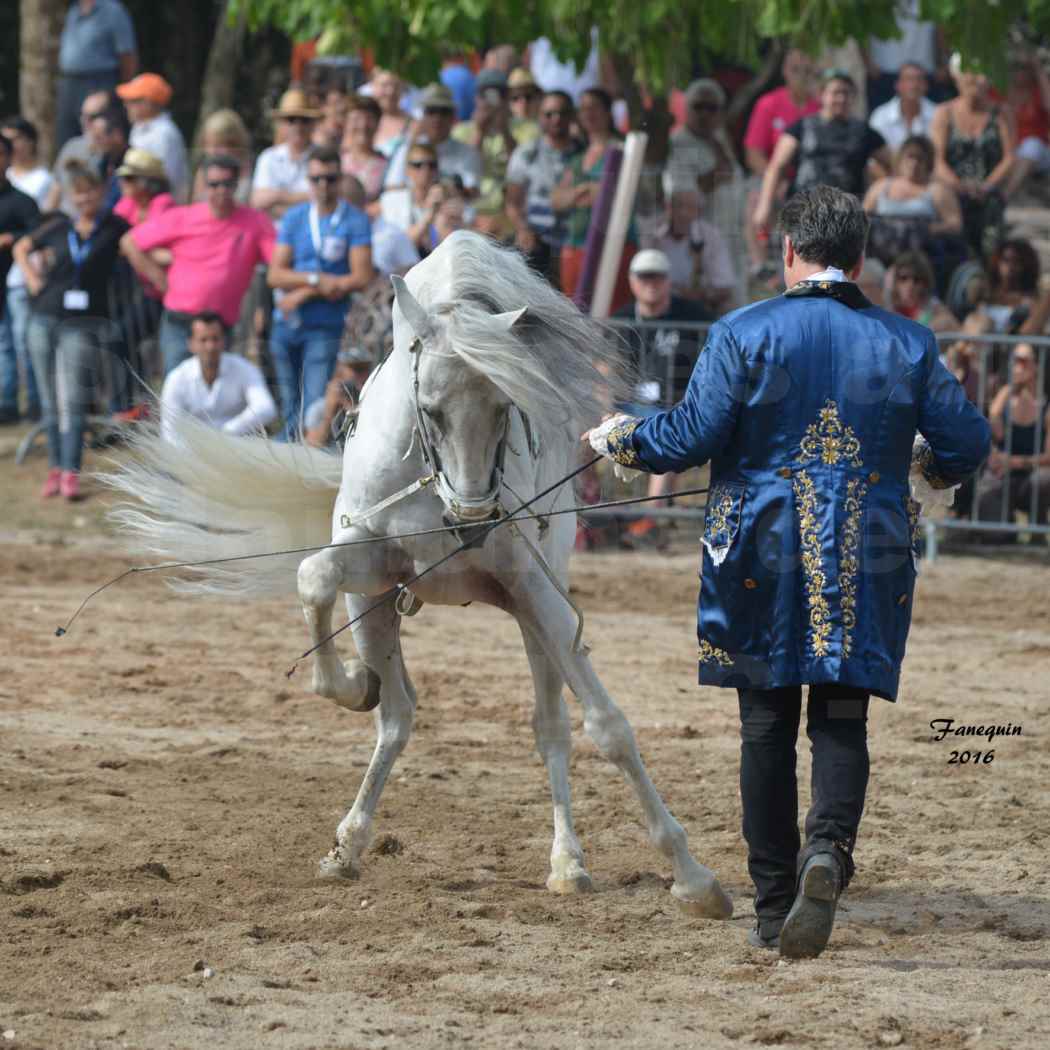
808	925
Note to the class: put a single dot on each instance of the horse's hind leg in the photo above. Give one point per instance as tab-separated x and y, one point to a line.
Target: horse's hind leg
550	723
321	577
545	613
378	641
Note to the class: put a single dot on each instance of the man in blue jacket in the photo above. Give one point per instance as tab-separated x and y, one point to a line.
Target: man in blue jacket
807	406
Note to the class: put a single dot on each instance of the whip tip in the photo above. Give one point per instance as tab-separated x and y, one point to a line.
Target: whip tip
291	670
59	631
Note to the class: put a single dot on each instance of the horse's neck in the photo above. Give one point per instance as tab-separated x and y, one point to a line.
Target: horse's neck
387	420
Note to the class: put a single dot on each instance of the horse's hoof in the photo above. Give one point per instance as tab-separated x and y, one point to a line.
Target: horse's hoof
568	884
334	868
710	903
373	684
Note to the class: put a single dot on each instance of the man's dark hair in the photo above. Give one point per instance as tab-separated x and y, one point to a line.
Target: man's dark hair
826	226
116	118
323	155
22	126
208	317
222	161
564	96
5	144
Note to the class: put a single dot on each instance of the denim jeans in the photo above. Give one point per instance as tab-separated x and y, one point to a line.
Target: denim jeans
174	341
303	360
66	357
14	353
837	729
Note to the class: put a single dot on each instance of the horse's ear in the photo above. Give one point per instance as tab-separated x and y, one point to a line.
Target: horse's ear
511	317
417	318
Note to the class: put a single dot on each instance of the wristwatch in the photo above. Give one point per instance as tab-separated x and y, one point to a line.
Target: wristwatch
313	280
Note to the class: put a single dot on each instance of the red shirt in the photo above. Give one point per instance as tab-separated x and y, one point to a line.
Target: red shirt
213	260
774	112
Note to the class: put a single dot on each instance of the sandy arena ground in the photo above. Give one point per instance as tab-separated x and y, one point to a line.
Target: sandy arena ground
167	795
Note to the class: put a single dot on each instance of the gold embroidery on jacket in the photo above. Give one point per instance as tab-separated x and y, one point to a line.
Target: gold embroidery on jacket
849	544
829	440
812	564
710	652
619	440
927	465
717	523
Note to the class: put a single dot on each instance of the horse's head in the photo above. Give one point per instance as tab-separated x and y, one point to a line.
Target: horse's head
462	415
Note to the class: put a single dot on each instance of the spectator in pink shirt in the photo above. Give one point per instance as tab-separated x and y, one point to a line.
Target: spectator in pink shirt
774	112
779	109
215	247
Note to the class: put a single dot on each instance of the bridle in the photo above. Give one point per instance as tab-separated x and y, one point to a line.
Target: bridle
461	508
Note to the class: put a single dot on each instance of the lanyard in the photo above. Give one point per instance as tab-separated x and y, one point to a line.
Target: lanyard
316	229
79	251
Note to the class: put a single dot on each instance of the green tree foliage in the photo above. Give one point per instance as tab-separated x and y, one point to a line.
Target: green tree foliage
662	40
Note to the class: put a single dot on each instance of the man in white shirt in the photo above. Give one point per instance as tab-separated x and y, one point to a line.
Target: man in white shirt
456	160
909	112
280	179
152	129
701	267
218	388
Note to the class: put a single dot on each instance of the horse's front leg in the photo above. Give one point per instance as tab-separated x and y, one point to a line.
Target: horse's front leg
546	614
322	576
378	641
550	723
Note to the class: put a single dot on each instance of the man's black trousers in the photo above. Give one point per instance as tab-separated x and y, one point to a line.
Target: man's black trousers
837	729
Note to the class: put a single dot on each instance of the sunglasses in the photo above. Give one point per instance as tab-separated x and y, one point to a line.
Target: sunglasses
552	114
298	120
431	111
650	276
329	177
705	107
221	184
432	164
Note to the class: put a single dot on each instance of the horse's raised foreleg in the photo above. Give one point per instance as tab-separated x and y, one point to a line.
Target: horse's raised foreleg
378	641
545	613
321	577
550	723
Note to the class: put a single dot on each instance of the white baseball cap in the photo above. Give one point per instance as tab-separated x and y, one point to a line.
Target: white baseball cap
650	261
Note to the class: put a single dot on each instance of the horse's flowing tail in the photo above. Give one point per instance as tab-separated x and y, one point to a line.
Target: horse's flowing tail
206	495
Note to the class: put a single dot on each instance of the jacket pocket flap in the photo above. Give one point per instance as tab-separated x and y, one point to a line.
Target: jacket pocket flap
722	519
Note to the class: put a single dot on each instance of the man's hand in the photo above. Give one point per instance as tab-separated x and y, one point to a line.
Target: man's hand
291	301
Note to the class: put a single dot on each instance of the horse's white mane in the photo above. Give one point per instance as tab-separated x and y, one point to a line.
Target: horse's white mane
557	365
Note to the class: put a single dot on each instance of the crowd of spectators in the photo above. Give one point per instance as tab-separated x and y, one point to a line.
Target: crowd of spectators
286	253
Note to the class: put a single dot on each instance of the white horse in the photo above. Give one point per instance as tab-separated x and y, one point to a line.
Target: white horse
476	411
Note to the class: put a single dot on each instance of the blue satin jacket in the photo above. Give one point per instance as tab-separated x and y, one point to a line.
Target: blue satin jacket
807	406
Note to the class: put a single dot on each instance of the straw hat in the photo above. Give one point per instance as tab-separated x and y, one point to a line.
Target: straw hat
294	103
522	78
142	164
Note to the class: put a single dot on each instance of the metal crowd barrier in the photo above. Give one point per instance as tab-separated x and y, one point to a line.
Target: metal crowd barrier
663	353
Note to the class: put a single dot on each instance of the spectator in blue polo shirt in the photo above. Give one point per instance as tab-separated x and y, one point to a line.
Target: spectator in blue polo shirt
97	51
323	254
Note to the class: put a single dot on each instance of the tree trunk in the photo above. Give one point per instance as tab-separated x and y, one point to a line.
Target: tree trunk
224	59
41	29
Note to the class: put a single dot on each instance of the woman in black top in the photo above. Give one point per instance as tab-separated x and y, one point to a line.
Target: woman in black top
67	266
830	147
